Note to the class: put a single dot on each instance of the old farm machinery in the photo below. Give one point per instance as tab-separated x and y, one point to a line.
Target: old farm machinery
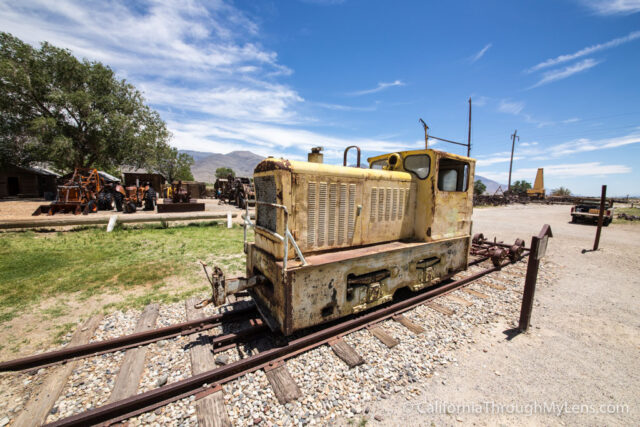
239	191
180	200
78	194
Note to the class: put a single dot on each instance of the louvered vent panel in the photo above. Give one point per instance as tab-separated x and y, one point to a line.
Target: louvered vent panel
387	204
380	204
352	211
322	214
401	203
333	200
311	214
342	215
374	204
394	210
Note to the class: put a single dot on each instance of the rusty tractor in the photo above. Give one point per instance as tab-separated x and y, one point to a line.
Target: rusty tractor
180	200
77	195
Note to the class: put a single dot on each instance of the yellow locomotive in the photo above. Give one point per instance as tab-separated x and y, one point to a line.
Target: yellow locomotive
335	240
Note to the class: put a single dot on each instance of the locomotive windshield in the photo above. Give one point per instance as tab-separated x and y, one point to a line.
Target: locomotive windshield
418	164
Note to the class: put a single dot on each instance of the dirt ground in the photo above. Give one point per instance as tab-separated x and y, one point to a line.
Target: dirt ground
582	348
11	209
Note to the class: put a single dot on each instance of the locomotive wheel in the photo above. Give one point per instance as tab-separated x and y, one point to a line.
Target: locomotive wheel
497	255
92	206
515	251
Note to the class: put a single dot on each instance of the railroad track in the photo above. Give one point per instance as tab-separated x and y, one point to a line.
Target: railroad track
207	379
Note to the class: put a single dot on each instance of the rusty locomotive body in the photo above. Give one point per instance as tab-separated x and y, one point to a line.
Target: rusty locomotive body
335	240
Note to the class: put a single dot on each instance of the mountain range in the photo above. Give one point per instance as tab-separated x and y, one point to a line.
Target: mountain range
205	164
244	162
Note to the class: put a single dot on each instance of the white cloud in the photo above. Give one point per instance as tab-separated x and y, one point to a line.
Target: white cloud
510	107
584	145
378	88
480	53
265	139
479	101
186	56
614	7
586	51
563	73
528	144
572	170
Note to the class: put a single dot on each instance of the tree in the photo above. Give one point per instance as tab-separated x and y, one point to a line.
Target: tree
57	109
224	172
561	192
520	187
479	187
173	165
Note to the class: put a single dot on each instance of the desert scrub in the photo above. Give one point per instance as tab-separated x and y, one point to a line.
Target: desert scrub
89	261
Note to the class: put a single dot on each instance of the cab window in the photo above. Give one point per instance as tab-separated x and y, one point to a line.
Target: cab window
379	164
418	164
453	175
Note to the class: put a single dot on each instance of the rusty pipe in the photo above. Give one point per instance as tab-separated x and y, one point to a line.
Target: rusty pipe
346	151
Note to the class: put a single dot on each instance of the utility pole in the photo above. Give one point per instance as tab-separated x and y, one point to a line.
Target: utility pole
426	134
469	138
513	144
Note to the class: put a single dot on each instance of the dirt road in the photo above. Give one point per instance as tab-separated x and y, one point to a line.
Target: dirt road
582	350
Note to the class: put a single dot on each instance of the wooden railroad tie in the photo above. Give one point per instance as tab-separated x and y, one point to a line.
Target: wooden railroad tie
345	352
493	285
38	407
282	383
475	293
413	327
383	336
440	308
210	409
132	365
459	300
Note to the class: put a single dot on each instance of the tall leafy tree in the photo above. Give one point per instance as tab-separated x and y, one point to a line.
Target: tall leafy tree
224	172
520	187
479	187
71	113
174	165
561	192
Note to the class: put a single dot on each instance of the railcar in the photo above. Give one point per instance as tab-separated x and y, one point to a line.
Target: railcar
331	241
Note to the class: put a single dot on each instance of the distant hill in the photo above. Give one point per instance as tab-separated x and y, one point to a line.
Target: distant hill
204	169
492	186
244	162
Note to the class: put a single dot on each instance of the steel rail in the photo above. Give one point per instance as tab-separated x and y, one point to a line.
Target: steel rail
127	341
150	400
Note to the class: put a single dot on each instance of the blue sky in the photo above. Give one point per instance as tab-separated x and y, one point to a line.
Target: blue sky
278	77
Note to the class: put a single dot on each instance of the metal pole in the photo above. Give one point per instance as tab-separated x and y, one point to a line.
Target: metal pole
513	144
600	217
537	251
469	137
426	134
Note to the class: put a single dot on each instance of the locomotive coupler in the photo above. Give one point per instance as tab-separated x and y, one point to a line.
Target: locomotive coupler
220	287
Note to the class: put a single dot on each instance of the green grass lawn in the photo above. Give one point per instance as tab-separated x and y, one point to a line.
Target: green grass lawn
89	261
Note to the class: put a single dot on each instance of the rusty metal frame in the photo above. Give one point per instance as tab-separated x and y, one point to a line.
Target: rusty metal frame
131	340
288	237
